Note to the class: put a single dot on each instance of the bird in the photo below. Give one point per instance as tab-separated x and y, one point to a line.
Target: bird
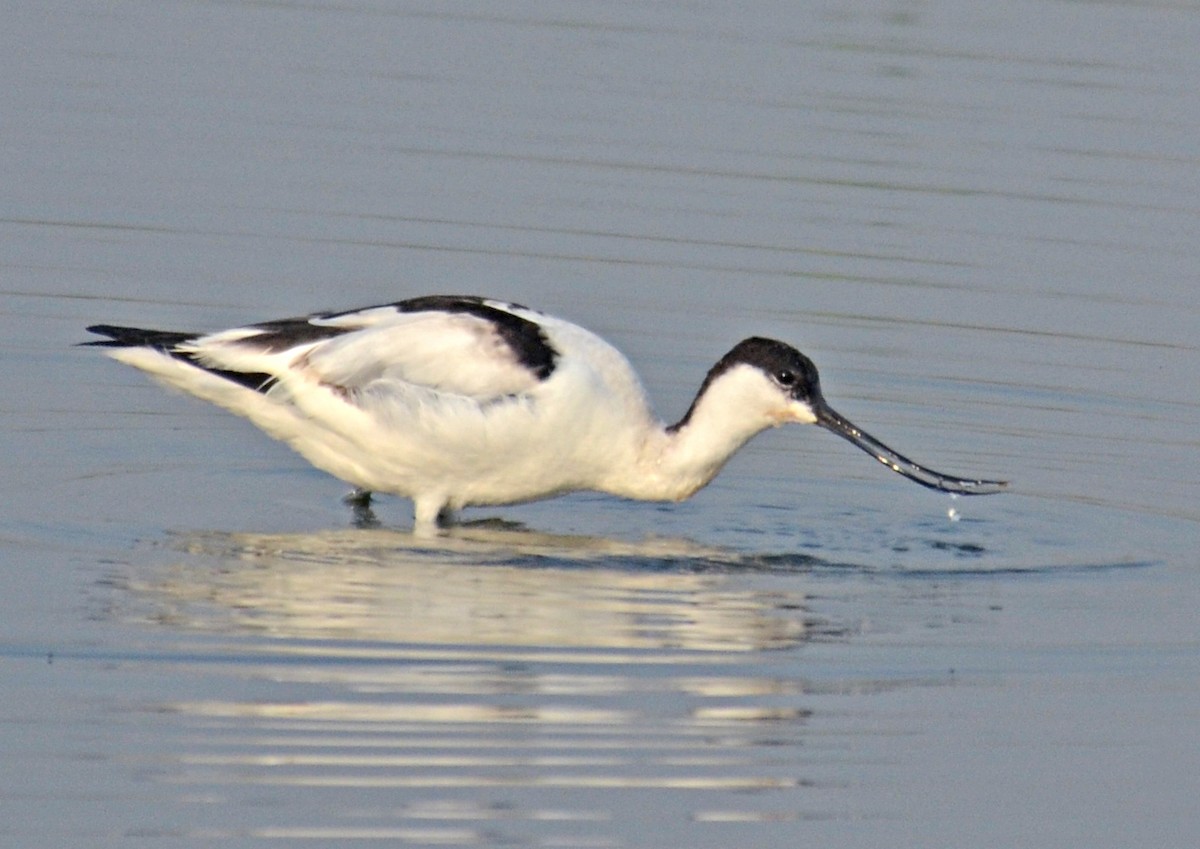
455	401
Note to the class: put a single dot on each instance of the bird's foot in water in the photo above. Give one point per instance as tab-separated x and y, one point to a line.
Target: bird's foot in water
360	508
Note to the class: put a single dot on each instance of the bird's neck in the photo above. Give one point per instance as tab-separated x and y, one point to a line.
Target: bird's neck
681	459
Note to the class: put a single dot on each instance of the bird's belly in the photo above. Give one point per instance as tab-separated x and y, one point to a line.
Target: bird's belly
499	478
515	453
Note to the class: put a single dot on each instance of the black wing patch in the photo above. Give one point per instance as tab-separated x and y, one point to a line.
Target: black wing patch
284	333
524	338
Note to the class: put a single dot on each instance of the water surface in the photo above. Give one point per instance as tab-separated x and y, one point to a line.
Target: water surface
979	222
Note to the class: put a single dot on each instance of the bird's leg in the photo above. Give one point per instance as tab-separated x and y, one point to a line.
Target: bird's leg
362	516
358	498
429	515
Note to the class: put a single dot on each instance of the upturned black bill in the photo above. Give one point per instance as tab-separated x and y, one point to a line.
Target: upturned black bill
832	420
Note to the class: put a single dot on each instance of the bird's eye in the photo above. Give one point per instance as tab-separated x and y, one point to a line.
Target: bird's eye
785	377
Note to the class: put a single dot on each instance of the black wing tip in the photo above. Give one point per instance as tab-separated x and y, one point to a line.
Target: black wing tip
135	337
112	332
168	341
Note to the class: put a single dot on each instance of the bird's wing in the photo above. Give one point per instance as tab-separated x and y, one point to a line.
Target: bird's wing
463	346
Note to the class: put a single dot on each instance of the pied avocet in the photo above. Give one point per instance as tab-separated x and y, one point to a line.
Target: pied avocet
455	401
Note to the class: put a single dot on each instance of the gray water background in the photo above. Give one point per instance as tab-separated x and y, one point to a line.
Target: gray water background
980	220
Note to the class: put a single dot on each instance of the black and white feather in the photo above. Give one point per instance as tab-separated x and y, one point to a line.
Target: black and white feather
455	401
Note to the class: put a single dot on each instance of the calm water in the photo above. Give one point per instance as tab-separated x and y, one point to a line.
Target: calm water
981	221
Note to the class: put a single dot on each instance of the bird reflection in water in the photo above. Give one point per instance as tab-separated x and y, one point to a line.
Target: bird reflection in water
482	585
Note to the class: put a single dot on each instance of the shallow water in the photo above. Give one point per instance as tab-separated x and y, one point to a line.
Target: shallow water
979	222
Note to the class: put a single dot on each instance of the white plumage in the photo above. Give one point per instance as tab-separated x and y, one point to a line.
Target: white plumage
456	401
